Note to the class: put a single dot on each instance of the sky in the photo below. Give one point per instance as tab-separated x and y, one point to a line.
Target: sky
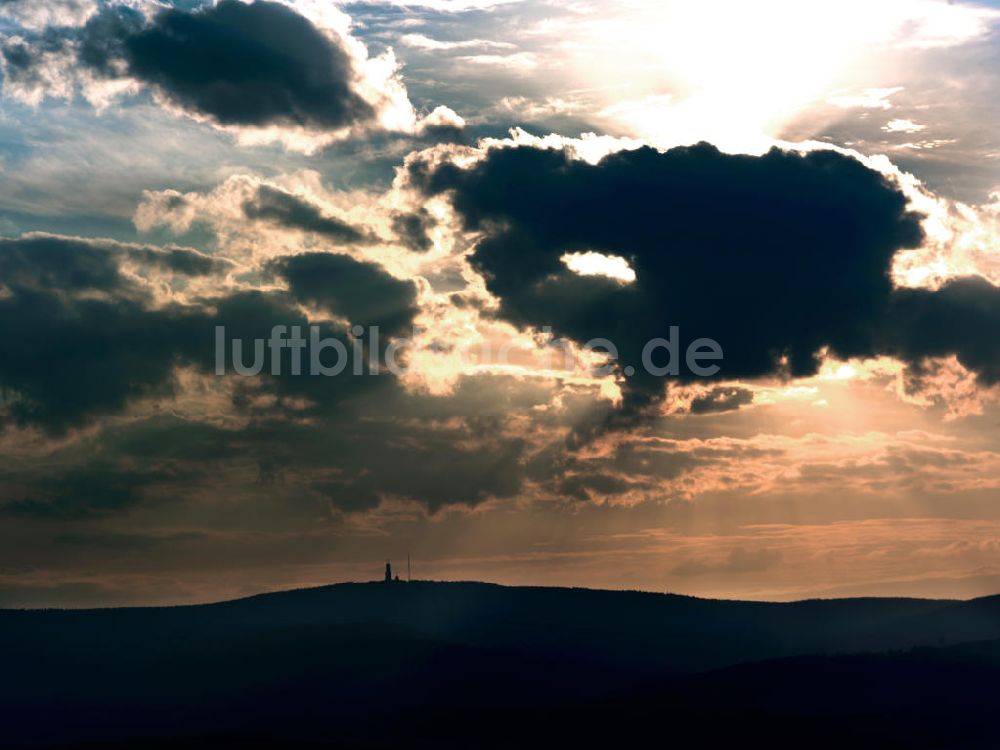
479	191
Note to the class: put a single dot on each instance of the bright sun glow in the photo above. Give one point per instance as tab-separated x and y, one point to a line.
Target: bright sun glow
733	73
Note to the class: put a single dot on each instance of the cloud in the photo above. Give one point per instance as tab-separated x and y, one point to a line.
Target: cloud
775	257
420	41
46	262
103	44
713	240
31	14
596	264
288	210
179	260
34	69
945	383
519	62
454	6
93	326
264	71
868	99
721	399
256	64
413	229
903	126
362	293
249	215
86	340
961	319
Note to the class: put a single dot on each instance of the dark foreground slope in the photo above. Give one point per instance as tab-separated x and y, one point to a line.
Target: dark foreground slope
475	665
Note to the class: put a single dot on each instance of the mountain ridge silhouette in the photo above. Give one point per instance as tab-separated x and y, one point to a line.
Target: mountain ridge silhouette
375	664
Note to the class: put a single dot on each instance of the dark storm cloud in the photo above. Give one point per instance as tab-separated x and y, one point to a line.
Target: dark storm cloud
80	336
721	400
774	257
287	210
362	293
961	319
46	262
83	339
254	64
67	358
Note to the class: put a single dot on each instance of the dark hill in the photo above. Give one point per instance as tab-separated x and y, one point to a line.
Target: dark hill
359	665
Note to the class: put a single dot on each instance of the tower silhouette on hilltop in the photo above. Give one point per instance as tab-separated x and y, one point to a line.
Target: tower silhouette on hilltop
388	572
